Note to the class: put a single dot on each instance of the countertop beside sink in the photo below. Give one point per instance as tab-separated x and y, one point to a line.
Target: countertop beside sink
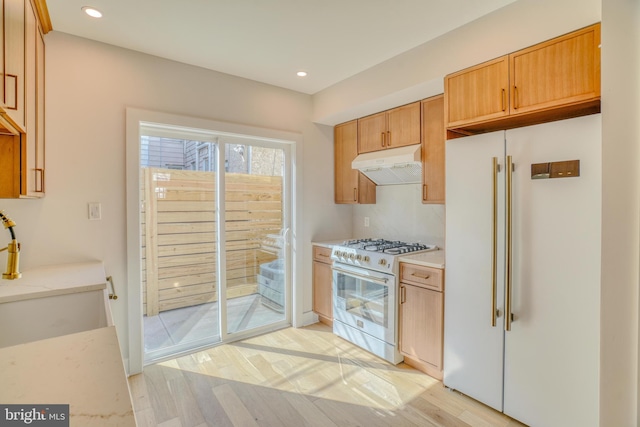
83	370
54	280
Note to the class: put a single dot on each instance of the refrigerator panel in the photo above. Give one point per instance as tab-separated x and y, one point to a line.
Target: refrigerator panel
551	352
473	348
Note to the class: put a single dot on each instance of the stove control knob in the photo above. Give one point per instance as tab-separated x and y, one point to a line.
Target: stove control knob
359	257
382	261
366	258
337	254
352	256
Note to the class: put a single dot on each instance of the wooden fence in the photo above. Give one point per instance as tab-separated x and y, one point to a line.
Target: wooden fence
180	235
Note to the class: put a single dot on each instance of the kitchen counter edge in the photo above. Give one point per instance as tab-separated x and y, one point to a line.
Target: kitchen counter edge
433	259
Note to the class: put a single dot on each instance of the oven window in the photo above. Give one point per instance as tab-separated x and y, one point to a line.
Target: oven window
363	299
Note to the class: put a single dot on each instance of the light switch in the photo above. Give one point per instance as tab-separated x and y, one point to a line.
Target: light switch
95	211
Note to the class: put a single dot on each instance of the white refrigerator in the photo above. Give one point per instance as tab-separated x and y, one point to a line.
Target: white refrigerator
528	245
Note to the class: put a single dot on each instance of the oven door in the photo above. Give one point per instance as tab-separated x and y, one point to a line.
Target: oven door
365	300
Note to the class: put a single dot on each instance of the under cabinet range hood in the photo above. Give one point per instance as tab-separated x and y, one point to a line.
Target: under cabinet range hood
392	166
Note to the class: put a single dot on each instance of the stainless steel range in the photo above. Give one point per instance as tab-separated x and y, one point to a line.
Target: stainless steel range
365	291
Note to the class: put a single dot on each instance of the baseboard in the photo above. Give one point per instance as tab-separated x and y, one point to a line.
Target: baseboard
309	318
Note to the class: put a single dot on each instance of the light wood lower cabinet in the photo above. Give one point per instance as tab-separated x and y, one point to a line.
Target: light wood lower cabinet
422	317
322	288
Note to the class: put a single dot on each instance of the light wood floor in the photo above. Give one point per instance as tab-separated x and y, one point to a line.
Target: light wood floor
298	377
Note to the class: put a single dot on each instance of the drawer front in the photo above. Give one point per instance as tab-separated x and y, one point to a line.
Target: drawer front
322	254
431	278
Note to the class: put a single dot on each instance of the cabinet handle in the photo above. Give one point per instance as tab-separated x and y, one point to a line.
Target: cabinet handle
503	100
382	138
515	97
424	192
388	138
15	91
355	194
41	180
403	294
421	277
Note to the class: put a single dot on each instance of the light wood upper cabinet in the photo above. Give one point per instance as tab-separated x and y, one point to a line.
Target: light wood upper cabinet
22	104
433	149
14	54
561	71
393	128
322	288
478	93
553	80
350	185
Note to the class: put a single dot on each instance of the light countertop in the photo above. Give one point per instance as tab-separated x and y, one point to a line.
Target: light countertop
83	370
433	259
329	244
54	280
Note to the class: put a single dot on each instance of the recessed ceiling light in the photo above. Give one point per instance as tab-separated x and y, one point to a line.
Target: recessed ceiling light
94	13
301	73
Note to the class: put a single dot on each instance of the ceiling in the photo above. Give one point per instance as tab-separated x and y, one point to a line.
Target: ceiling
270	40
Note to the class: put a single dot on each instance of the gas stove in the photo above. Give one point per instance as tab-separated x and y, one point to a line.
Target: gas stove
366	291
375	254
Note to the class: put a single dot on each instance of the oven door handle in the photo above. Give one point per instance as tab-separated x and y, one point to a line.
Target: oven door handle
380	280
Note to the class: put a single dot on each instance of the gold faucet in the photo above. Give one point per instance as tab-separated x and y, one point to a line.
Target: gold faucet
13	248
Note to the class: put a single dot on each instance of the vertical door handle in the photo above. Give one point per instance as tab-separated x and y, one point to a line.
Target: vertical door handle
424	192
515	97
504	103
355	194
388	138
494	245
382	138
403	294
509	239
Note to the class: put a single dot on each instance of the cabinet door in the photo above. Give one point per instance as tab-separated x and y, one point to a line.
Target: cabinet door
561	71
345	150
9	166
433	150
421	325
403	126
14	51
322	298
372	133
33	153
478	93
40	114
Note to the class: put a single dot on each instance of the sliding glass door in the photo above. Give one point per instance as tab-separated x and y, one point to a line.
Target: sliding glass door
214	226
255	235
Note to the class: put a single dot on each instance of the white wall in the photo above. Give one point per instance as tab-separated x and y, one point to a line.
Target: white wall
620	212
400	215
89	85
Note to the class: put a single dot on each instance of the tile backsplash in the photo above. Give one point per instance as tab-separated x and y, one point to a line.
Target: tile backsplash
400	215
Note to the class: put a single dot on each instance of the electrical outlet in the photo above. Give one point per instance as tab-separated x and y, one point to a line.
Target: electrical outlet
95	211
366	221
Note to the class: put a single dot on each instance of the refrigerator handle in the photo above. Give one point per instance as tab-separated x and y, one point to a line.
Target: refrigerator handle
494	247
509	236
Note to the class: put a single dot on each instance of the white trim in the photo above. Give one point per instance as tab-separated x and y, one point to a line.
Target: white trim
230	132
